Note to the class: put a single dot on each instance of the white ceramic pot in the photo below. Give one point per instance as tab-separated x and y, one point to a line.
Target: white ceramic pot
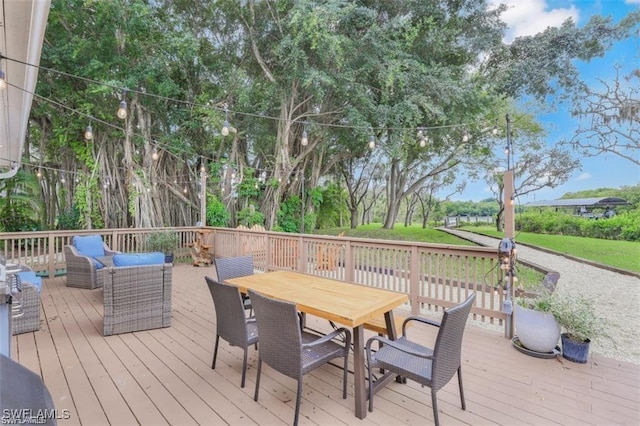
537	331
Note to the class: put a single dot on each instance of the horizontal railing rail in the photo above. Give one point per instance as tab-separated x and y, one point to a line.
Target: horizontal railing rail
434	276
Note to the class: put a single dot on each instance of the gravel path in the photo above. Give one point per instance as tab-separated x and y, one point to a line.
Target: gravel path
617	296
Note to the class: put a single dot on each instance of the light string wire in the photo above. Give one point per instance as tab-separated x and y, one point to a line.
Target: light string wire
224	109
193	104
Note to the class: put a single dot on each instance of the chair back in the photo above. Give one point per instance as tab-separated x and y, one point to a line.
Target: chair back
233	267
230	318
448	347
281	343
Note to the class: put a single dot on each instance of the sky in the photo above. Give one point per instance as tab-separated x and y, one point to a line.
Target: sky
529	17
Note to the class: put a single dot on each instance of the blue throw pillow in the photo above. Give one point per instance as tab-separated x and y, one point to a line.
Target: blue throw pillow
31	277
137	259
89	245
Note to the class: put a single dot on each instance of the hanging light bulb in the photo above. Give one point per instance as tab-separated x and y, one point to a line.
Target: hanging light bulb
154	153
184	189
39	173
305	140
421	138
372	142
495	131
506	149
62	179
88	134
465	137
225	125
3	80
122	110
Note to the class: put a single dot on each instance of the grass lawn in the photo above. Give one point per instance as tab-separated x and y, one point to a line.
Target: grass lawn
619	254
399	233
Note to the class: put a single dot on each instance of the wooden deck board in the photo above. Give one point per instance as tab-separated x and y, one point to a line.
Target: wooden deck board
164	376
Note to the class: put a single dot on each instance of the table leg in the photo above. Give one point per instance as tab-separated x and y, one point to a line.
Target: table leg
358	372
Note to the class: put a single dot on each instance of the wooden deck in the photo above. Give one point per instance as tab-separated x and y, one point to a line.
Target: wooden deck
164	376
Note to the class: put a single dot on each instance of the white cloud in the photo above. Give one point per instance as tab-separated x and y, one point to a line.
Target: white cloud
584	176
530	17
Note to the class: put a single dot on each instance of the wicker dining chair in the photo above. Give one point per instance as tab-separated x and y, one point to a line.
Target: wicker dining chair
234	267
288	349
231	323
429	367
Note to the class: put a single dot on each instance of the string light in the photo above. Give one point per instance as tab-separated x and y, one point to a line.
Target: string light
225	125
39	173
122	110
422	139
154	153
372	142
88	134
305	140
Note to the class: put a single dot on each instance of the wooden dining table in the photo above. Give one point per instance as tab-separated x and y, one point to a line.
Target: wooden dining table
348	304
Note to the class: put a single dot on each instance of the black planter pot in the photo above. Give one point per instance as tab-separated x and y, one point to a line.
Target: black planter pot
168	258
573	350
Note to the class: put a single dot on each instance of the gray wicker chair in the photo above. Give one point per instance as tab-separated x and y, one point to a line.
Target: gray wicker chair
29	303
231	324
234	267
137	298
81	270
288	349
429	367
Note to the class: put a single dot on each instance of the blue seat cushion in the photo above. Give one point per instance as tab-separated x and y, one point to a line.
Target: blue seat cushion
137	259
97	263
31	277
89	245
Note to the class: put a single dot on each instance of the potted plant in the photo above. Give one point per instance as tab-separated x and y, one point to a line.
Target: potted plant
579	323
163	241
536	326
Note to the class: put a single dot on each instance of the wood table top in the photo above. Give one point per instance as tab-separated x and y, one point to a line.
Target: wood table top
345	303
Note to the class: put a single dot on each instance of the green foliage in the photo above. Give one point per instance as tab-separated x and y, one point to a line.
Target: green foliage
624	226
331	205
217	213
164	241
20	205
577	317
69	219
470	208
250	216
289	214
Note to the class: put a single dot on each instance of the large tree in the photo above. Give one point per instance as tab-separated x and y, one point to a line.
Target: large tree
609	118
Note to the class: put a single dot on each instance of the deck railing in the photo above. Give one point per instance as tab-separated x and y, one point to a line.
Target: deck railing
434	276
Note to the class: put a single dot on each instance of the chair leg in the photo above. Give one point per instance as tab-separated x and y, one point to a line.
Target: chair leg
298	397
434	402
255	395
370	381
462	402
344	373
244	367
215	353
